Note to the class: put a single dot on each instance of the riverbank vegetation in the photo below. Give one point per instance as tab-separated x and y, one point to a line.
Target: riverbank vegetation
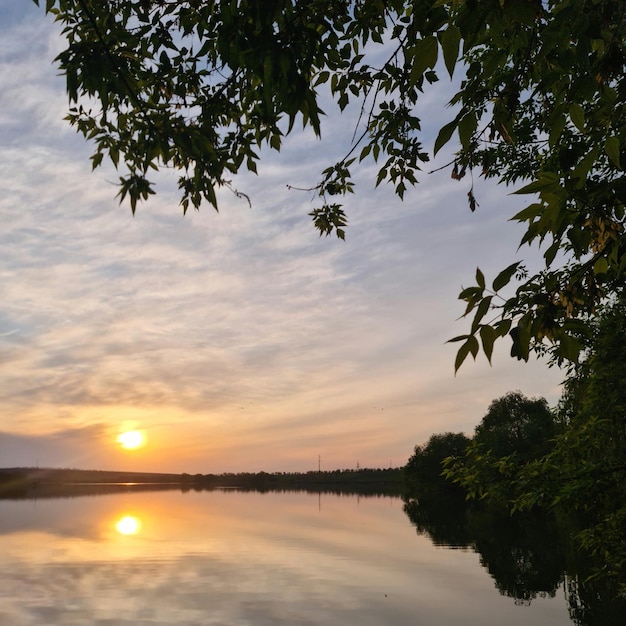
527	459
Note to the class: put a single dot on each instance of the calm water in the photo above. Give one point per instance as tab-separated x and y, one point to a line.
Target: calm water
233	558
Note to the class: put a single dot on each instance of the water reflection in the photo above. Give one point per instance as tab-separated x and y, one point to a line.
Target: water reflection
527	555
226	557
128	525
523	553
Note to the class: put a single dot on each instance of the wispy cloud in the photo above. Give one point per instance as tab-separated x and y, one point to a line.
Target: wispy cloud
241	338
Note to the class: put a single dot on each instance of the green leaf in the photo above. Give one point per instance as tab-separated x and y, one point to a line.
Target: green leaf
569	348
275	141
444	135
480	278
96	160
551	253
481	311
556	129
450	40
612	148
502	327
504	277
251	165
474	348
365	151
457	339
577	115
545	180
521	340
529	213
322	77
582	170
268	83
467	128
600	266
376	151
423	56
470	346
470	293
488	336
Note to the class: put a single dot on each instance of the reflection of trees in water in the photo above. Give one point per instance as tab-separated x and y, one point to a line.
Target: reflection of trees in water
526	554
593	604
521	552
444	520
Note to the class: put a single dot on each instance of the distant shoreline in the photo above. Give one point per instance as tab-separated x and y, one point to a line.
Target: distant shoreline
51	482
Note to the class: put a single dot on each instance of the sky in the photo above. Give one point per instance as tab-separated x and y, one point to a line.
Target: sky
238	340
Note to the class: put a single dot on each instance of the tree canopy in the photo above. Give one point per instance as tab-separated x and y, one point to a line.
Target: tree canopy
424	469
201	86
517	424
579	468
514	432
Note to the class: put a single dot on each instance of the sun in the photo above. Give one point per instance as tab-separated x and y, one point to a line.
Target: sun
132	439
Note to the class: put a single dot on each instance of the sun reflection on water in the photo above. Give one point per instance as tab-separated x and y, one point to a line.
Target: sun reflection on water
128	525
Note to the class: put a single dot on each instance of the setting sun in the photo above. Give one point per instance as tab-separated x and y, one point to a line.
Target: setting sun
132	439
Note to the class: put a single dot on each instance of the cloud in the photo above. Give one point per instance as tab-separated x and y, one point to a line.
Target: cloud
66	448
181	321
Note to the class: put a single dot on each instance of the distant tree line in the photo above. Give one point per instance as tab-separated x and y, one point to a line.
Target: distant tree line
54	482
371	480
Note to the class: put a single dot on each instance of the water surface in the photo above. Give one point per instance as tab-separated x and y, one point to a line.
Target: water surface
233	558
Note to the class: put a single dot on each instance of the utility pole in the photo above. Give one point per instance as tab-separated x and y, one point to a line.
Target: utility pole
319	463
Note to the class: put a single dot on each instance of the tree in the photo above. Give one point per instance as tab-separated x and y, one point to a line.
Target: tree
585	473
200	86
515	431
582	473
586	467
424	470
515	424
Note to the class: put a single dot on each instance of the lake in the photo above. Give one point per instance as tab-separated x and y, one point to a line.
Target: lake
248	558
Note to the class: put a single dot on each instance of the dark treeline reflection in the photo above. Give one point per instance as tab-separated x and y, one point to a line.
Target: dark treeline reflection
53	490
527	554
78	491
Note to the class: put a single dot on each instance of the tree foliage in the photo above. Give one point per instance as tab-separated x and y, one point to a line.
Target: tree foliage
586	470
424	470
515	424
582	470
201	86
515	431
